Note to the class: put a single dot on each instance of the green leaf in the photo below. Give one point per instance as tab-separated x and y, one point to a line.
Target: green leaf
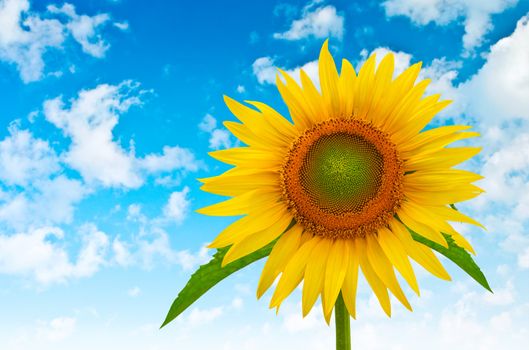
208	275
458	255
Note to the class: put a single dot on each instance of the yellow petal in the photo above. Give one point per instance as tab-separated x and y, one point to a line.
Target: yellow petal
327	310
383	77
432	135
293	273
249	224
399	118
420	117
254	139
453	215
235	185
329	81
255	122
284	128
397	90
405	81
337	265
438	143
249	158
396	253
384	270
242	204
299	109
418	252
347	88
379	288
416	220
461	241
432	198
444	158
440	180
257	240
285	247
314	98
314	275
364	88
423	213
351	280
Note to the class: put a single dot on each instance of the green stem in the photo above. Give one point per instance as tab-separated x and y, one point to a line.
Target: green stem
343	329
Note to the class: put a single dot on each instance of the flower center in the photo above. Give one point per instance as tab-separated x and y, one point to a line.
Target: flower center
342	178
341	172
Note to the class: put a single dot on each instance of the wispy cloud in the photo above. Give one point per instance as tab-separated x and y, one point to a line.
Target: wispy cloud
317	21
475	15
26	36
218	137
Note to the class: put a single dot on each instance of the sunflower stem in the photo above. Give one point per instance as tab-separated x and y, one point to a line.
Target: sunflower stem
343	328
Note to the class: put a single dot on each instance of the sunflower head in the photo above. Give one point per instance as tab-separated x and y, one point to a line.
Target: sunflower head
342	178
340	185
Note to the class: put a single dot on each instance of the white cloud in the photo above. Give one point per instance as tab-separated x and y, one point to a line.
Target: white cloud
265	71
208	123
24	159
56	329
177	207
26	36
153	245
55	201
39	254
443	74
496	96
241	89
122	25
23	43
49	202
93	253
89	121
190	261
172	158
218	138
476	15
84	29
121	252
316	21
502	81
506	172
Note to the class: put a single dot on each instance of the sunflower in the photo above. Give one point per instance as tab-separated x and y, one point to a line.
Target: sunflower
340	187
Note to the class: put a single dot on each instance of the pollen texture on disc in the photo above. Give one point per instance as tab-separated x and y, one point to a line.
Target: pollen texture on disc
341	172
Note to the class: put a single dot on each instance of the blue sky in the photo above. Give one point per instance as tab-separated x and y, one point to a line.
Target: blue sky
108	110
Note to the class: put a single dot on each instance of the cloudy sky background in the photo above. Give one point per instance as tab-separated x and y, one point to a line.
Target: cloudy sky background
108	110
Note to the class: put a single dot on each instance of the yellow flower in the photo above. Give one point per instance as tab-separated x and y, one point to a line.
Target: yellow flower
340	184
